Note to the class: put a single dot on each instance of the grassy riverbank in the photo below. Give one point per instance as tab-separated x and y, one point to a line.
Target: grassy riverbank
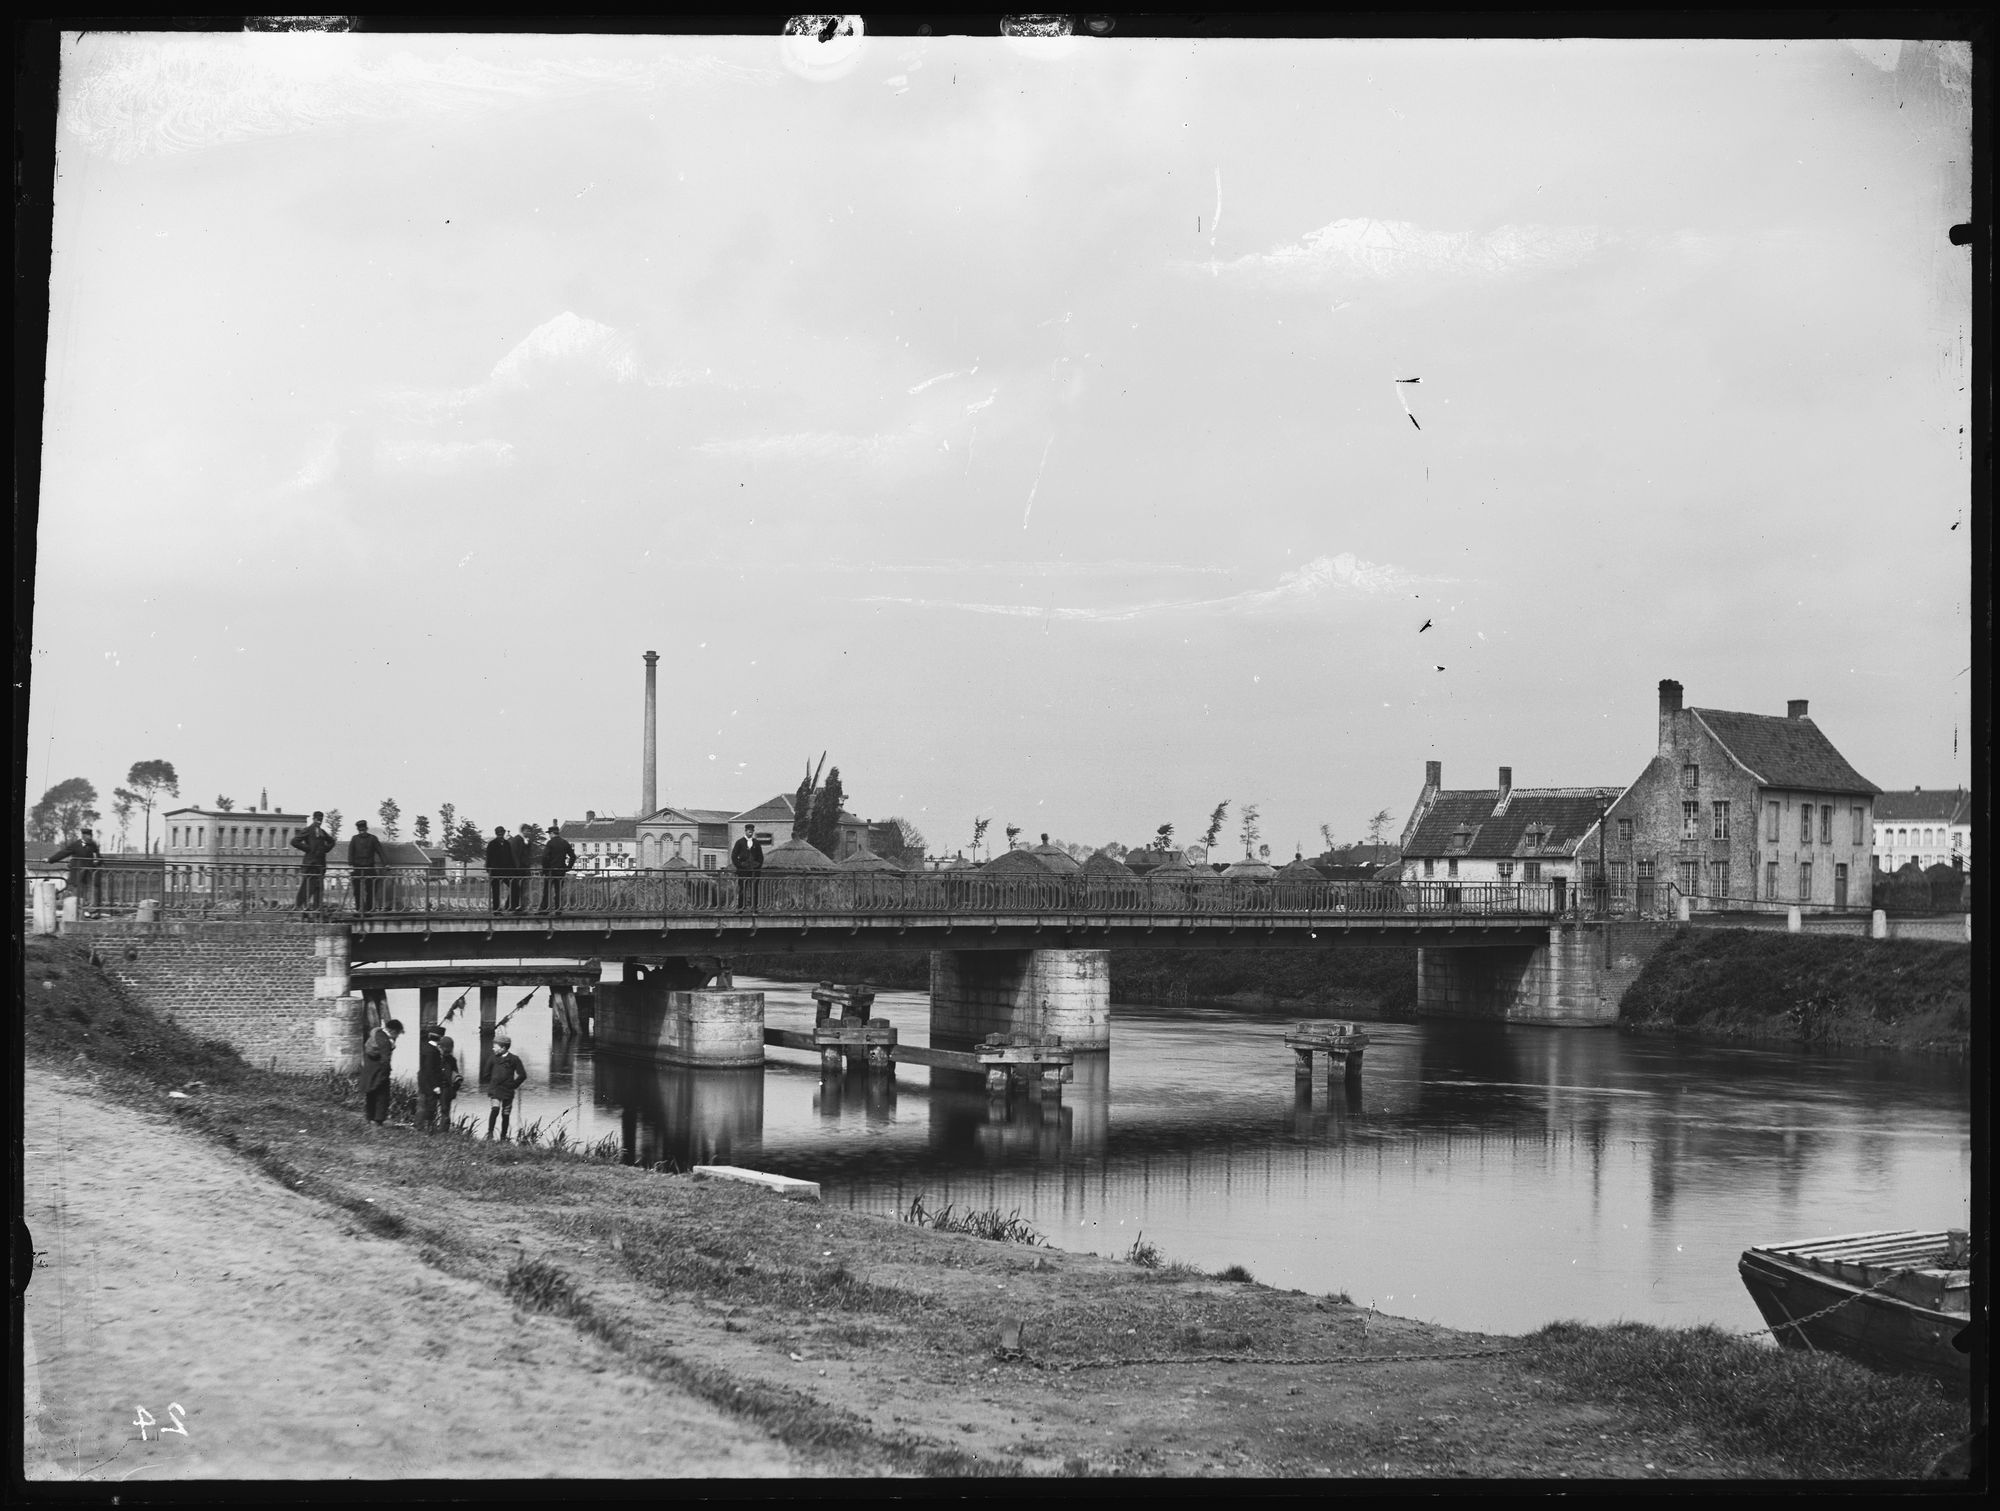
1754	986
1359	982
861	1345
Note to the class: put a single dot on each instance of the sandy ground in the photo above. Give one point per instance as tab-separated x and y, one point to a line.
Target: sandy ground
295	1344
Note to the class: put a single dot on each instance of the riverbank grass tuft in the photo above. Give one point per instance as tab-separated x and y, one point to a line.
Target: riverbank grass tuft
1816	1415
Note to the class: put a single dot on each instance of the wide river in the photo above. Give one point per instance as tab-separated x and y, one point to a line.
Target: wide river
1486	1177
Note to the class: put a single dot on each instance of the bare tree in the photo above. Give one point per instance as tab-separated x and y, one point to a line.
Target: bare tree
1378	827
333	823
1013	833
1215	824
978	834
1250	832
391	813
1326	834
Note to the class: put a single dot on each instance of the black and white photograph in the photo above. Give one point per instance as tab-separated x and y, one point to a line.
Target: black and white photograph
850	748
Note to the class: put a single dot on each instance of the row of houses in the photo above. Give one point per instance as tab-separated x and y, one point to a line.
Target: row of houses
1732	809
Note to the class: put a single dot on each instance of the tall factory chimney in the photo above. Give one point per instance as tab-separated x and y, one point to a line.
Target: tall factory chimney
649	770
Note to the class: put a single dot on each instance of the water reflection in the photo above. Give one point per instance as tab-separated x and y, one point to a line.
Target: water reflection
1486	1176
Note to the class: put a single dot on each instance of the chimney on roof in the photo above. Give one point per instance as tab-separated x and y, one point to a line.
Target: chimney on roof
1796	709
1670	707
1433	776
590	815
264	800
1506	782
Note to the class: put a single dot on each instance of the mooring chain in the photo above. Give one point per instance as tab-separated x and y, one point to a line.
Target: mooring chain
1778	1327
1067	1366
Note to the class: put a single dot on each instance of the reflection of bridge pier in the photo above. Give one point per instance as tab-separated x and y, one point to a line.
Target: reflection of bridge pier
682	1114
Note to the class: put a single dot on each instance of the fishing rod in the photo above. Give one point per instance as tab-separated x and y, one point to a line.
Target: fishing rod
518	1006
453	1012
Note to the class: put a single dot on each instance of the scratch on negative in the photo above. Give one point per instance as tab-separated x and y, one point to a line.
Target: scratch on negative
1037	484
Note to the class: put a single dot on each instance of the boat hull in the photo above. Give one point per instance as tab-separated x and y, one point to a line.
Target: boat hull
1881	1331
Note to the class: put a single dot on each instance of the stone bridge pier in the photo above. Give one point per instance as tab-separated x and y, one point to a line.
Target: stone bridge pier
1572	980
1044	993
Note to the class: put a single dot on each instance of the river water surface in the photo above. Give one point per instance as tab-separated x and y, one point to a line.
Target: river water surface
1486	1176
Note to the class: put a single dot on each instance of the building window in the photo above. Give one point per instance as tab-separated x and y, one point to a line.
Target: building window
1720	871
1451	869
1690	779
1531	870
1958	839
1771	827
1770	881
1805	823
1690	878
1805	881
1840	886
1690	820
1826	823
1860	828
1430	869
1618	874
1506	870
1645	876
1718	820
1624	831
177	836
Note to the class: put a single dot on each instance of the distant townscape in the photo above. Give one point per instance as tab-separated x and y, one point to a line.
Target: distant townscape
1731	809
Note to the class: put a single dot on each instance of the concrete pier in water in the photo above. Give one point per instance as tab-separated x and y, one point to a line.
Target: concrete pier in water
1045	994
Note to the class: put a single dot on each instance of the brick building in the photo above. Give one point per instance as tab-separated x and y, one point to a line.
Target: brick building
1741	807
703	836
1931	828
217	836
606	843
697	837
1498	834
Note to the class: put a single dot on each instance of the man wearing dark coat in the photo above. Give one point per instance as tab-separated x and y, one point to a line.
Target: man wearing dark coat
430	1078
364	859
81	853
746	859
499	864
313	842
375	1069
524	862
558	857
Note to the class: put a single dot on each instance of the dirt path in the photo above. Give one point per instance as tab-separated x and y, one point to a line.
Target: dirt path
173	1273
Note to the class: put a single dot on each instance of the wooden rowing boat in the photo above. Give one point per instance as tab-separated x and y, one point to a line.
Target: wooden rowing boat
1894	1301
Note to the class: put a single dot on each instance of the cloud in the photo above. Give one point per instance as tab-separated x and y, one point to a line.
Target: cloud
1391	252
810	445
445	458
1019	568
126	97
563	348
321	462
1345	573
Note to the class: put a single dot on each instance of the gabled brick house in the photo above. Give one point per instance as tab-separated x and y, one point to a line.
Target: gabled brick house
1741	808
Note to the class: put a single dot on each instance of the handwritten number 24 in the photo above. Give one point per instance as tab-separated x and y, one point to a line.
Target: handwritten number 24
146	1419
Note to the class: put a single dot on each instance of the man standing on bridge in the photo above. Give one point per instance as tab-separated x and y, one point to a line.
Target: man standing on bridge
313	842
746	858
364	861
499	864
558	856
81	853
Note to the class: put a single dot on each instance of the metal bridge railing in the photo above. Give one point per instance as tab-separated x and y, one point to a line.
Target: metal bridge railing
252	890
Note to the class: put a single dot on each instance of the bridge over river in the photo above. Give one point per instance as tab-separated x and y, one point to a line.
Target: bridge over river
1009	953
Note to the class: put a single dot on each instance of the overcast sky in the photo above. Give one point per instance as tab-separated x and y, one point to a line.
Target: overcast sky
1017	422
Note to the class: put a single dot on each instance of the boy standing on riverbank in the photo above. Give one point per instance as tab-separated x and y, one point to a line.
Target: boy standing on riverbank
450	1080
503	1076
